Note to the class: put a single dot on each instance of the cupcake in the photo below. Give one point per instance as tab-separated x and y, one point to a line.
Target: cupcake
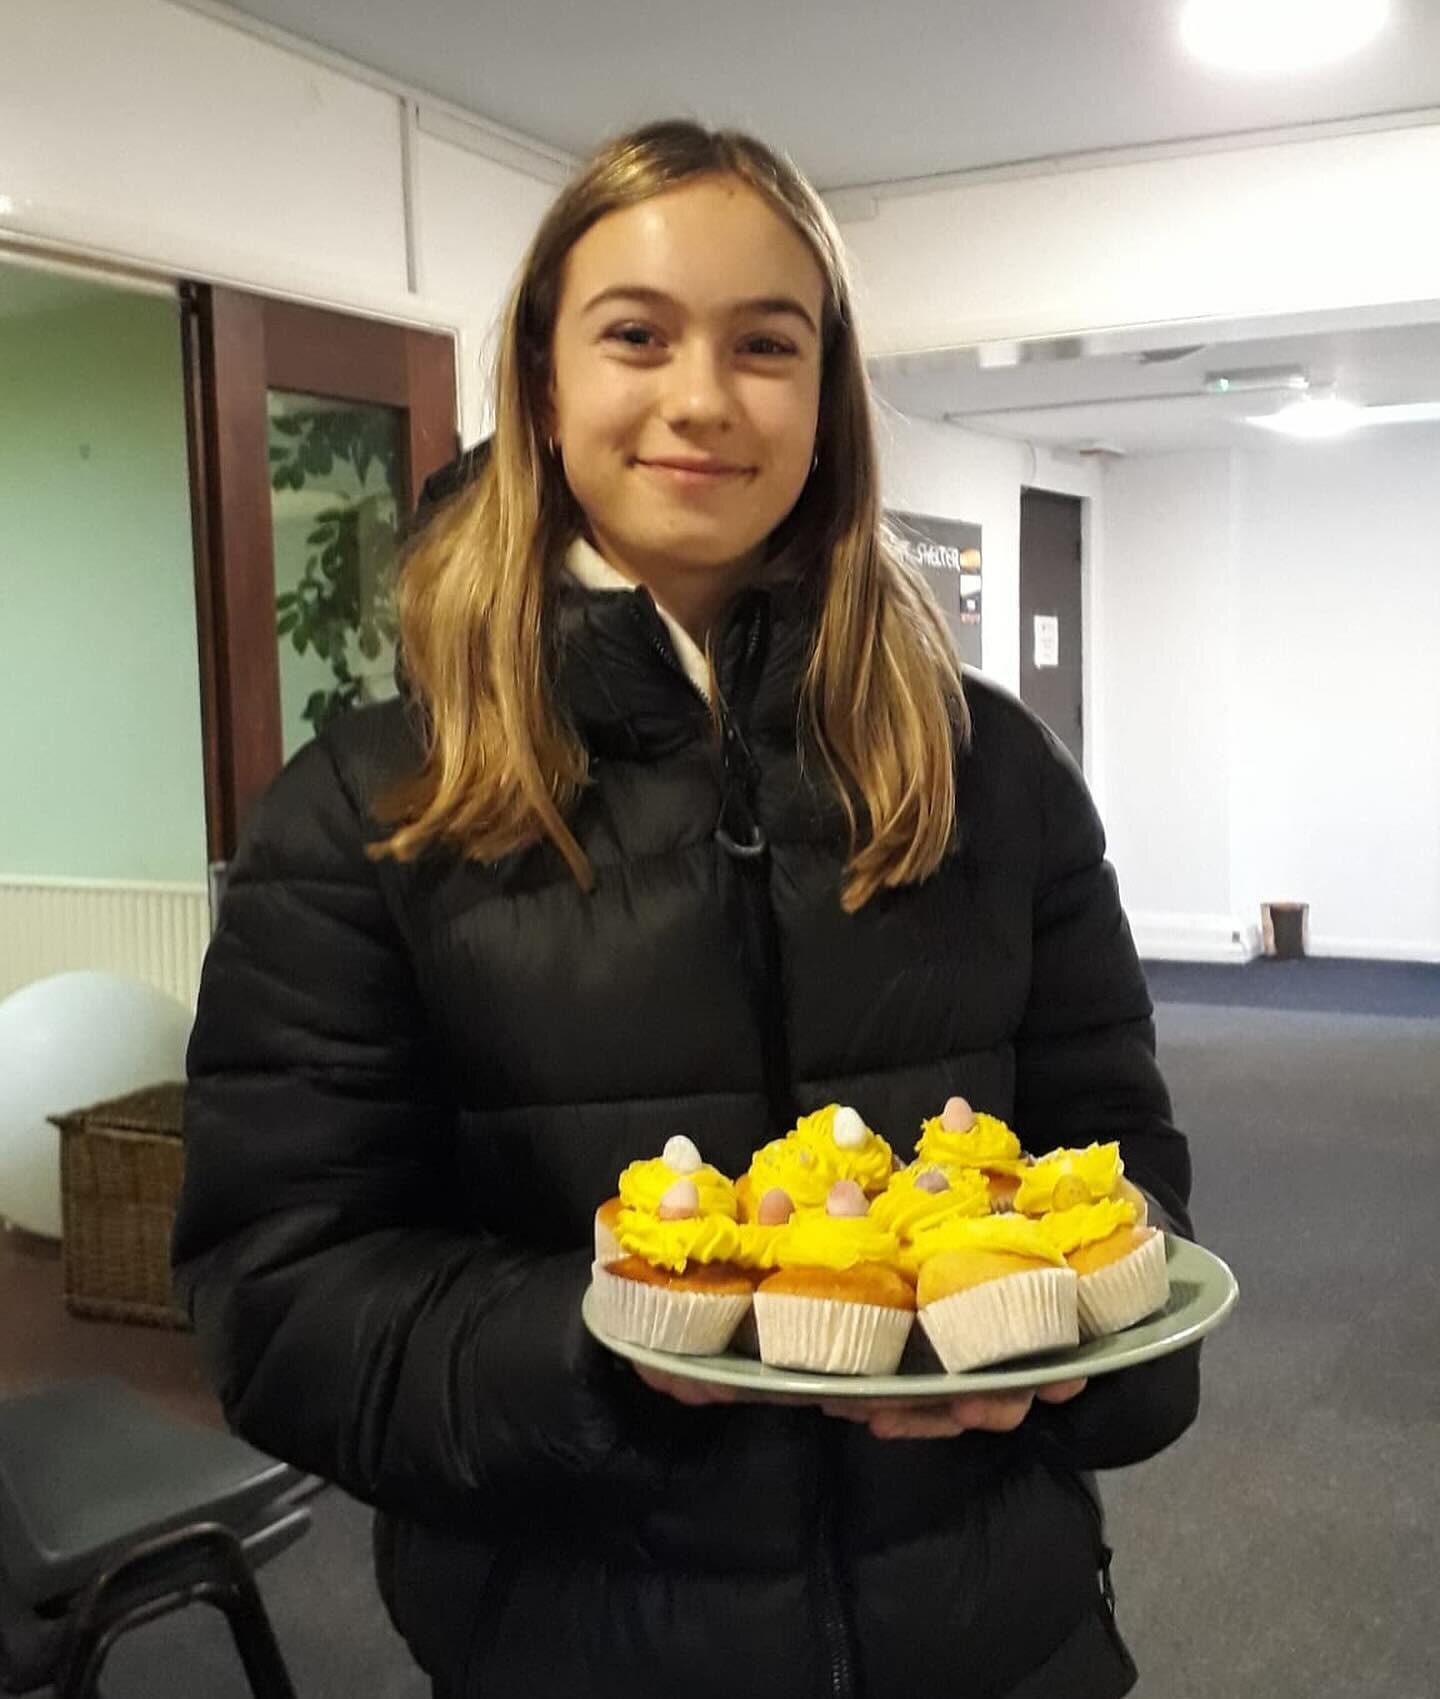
836	1302
991	1289
832	1144
1063	1180
675	1285
1120	1264
644	1184
958	1137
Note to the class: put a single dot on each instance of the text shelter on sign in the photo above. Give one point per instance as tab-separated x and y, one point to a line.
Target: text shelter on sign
948	552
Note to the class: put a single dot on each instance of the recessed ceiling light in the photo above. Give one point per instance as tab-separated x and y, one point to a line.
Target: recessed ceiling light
1265	37
1313	420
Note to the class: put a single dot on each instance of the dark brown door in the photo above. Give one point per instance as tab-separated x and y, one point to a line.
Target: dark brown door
310	435
1051	639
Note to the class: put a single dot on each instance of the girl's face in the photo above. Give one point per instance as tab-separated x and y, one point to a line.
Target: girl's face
686	382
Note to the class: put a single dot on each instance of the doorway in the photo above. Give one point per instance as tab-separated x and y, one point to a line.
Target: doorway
1052	660
311	433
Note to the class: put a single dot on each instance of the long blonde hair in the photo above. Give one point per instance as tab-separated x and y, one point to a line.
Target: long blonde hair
881	700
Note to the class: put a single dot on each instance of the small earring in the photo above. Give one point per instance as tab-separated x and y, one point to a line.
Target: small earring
815	463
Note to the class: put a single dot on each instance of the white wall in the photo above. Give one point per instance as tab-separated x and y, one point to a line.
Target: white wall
1335	796
145	133
1165	641
940	469
1271	626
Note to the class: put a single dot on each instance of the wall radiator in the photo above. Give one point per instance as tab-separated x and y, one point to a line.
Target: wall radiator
151	932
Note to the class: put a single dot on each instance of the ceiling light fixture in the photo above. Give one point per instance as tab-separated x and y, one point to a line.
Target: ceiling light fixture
1269	37
1316	419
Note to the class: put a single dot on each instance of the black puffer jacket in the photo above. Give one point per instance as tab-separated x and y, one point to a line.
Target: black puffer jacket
411	1086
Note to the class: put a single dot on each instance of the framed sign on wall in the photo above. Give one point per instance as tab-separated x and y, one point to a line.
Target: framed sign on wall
948	552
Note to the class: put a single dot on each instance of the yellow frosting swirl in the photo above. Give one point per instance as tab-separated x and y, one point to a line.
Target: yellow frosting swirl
838	1242
1086	1224
795	1168
988	1144
758	1246
643	1184
673	1244
1063	1179
1012	1233
905	1208
869	1166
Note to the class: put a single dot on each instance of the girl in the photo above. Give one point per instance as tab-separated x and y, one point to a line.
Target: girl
687	823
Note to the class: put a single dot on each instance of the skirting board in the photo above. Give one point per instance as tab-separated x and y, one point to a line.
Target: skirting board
1214	938
1194	938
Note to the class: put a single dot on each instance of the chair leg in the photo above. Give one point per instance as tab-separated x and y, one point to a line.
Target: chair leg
204	1564
255	1639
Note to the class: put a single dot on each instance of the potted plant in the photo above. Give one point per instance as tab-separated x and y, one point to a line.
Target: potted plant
343	608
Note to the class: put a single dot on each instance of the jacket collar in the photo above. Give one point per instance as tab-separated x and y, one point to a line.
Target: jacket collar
621	678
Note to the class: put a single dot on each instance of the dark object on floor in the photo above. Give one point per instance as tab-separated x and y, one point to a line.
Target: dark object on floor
1324	985
121	1164
1285	930
112	1515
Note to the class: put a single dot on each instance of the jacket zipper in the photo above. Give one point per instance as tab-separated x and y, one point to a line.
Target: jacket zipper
834	1624
742	837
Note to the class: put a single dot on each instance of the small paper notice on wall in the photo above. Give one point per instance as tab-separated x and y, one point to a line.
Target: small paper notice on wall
1047	640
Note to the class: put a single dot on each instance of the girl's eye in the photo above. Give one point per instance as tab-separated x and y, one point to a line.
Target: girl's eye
632	335
768	345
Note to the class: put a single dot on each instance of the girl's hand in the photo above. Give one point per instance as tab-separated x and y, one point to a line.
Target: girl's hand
887	1418
983	1412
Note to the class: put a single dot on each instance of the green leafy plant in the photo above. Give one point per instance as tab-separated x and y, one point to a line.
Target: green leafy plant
344	601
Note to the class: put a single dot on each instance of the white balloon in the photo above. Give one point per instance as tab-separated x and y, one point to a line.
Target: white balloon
66	1043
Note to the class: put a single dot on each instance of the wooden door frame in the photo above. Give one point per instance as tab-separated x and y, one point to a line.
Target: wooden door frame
237	347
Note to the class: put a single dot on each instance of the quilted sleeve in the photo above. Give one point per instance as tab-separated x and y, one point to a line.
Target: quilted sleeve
351	1323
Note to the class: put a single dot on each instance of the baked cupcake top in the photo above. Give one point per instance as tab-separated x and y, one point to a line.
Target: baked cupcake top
1013	1233
643	1185
958	1137
924	1193
832	1144
1086	1224
1064	1179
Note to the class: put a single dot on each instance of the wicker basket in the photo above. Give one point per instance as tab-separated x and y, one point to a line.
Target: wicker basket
120	1169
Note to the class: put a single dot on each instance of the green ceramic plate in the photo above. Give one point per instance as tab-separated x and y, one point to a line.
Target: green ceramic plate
1202	1293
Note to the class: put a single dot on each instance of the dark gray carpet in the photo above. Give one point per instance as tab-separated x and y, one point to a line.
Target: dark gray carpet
1288	1547
1324	985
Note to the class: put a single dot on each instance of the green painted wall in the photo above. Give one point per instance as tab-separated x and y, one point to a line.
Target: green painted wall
100	755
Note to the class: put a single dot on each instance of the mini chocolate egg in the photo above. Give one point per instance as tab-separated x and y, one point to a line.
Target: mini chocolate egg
681	1155
680	1203
958	1116
775	1208
848	1130
846	1199
932	1180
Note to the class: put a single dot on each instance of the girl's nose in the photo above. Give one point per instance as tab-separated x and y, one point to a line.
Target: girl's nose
698	394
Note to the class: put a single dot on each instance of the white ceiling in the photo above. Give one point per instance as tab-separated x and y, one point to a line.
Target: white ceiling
1080	392
858	91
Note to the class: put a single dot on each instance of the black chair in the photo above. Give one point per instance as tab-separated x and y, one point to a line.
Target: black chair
113	1514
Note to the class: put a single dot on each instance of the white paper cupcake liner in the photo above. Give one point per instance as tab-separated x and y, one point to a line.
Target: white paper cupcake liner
829	1335
693	1324
607	1247
1124	1292
1013	1316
